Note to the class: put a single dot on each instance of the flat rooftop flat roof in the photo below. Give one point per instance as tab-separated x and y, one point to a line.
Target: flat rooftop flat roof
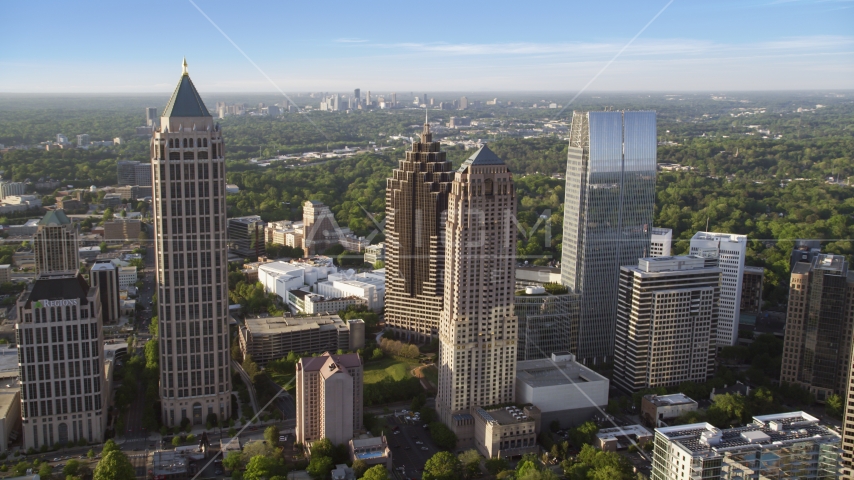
9	391
274	325
544	373
637	430
767	430
667	400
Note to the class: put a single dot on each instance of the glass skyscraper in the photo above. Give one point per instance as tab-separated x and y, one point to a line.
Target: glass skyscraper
610	193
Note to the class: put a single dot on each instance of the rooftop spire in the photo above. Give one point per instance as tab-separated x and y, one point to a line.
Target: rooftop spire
426	136
184	71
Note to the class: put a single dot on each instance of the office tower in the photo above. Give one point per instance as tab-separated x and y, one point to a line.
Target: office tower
55	245
105	277
393	98
131	172
464	103
659	243
143	175
126	172
610	192
752	283
778	446
64	395
805	251
319	228
329	398
12	189
61	139
83	140
545	321
477	329
729	252
666	322
416	199
817	344
151	116
246	236
188	205
357	96
368	99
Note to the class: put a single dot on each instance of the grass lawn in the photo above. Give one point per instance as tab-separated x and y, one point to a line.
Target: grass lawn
395	368
282	379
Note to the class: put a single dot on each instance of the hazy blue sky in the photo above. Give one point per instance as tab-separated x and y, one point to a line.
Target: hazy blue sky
136	46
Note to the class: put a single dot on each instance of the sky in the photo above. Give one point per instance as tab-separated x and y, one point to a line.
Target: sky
499	45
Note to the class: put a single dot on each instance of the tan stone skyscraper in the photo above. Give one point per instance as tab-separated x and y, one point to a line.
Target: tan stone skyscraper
188	173
477	331
416	199
55	244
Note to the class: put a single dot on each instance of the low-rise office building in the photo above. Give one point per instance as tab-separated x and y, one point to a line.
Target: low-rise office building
281	277
375	253
271	338
620	438
127	277
506	431
657	410
122	230
561	388
309	303
783	445
369	286
10	411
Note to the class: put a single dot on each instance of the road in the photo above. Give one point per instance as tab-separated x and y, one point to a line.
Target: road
405	451
245	376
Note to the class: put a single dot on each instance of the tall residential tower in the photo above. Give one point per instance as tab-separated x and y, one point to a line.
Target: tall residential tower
188	170
416	201
728	252
610	193
478	328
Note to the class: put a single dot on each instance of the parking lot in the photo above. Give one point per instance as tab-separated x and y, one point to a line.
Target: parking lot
410	445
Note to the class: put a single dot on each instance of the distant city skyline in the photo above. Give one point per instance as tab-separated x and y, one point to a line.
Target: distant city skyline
552	46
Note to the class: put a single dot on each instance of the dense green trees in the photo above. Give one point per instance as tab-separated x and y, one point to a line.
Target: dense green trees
443	466
112	465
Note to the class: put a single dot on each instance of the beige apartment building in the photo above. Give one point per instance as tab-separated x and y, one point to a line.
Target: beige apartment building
122	230
329	398
188	173
55	244
478	327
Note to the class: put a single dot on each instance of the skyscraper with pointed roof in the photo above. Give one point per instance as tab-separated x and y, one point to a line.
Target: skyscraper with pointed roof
477	329
188	177
55	244
416	200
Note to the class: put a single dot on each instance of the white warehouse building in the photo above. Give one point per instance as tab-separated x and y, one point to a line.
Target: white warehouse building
369	286
281	277
563	389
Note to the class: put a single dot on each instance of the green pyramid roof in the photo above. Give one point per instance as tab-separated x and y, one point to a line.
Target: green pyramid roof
185	101
483	156
55	217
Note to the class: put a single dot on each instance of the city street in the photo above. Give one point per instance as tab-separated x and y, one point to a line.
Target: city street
406	451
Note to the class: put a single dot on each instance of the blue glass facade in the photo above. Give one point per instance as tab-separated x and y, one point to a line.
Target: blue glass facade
608	212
